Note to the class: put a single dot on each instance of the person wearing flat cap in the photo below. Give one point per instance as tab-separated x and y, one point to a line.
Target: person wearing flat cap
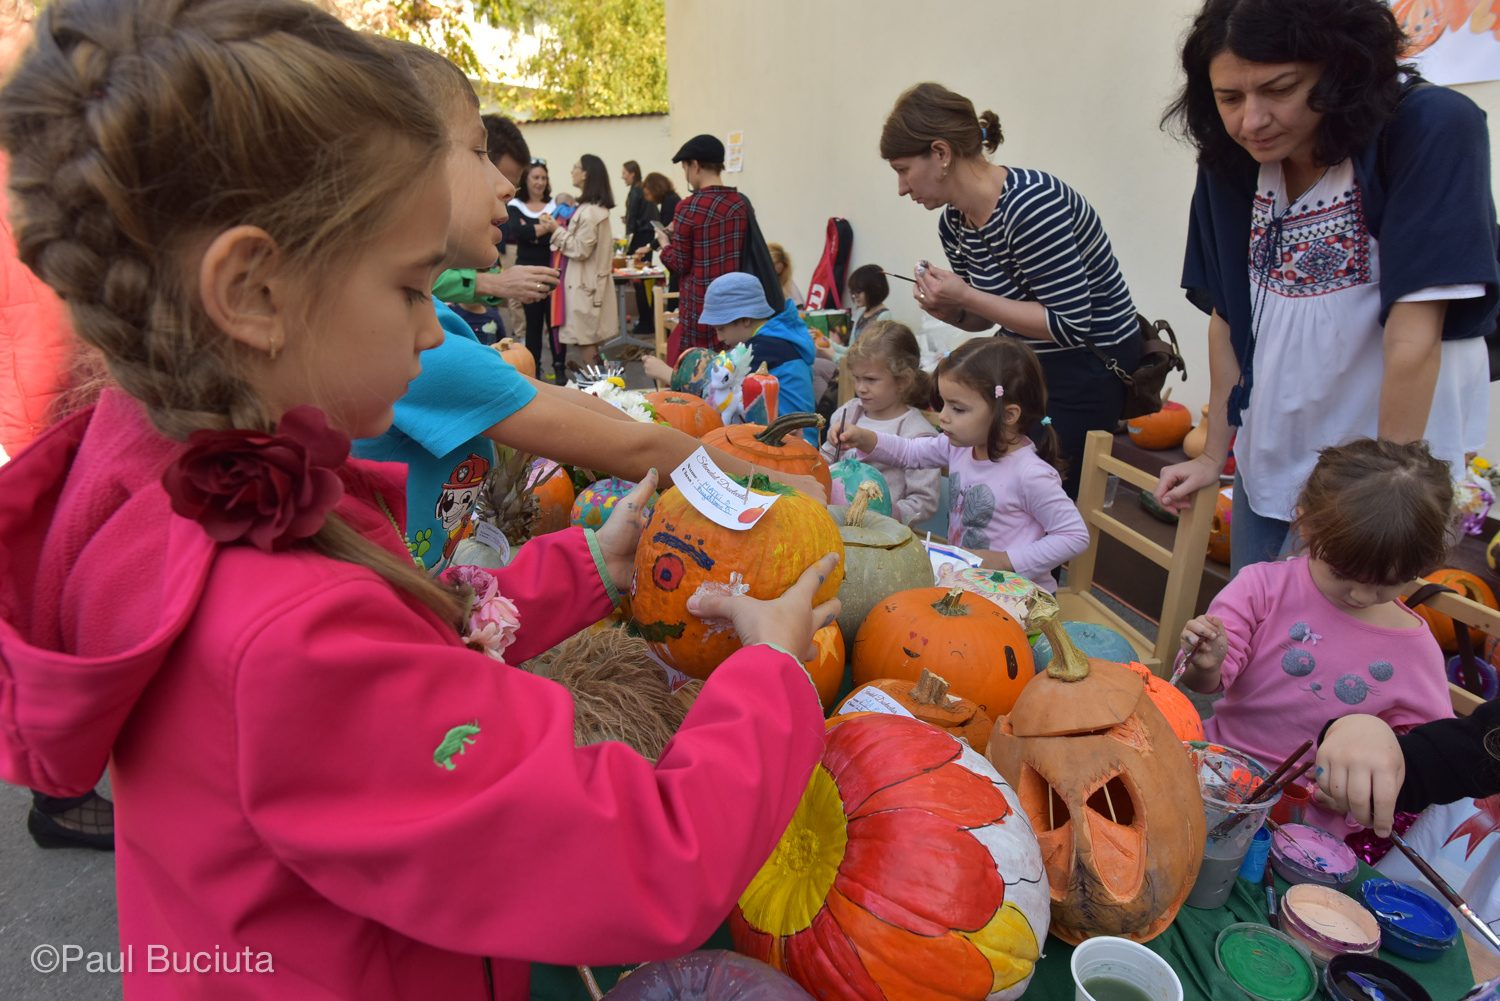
706	238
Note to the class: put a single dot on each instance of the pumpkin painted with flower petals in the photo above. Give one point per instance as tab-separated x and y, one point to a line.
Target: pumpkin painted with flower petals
908	871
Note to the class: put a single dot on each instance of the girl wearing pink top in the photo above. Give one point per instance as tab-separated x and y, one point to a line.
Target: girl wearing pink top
1007	501
330	782
1293	643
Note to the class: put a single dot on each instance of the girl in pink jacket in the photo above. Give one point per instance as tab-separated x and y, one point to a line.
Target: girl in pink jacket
328	784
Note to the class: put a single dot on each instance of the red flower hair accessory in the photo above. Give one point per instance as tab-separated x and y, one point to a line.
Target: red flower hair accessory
268	490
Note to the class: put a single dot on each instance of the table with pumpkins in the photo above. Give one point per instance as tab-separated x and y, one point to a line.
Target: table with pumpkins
982	806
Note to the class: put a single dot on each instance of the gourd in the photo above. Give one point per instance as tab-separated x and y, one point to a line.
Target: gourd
907	871
881	556
1110	792
775	447
1197	439
981	651
689	414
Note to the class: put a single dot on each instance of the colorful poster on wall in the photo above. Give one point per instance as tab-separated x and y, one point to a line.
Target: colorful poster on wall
734	153
1452	41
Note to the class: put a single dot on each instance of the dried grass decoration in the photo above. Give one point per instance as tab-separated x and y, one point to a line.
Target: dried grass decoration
619	692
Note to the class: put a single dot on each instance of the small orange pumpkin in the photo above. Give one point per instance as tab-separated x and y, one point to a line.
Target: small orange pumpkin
682	550
518	355
1466	584
775	447
552	487
1182	716
1218	534
1164	429
692	415
928	700
827	665
972	642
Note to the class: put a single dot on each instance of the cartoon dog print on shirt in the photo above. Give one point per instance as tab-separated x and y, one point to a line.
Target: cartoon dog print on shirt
457	500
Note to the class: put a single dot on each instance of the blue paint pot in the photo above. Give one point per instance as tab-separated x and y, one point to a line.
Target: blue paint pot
1412	924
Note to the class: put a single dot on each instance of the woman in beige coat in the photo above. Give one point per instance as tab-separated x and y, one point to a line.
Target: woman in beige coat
589	244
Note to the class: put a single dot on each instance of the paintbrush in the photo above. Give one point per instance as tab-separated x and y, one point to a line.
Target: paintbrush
892	274
1307	856
1441	885
1269	881
1271	786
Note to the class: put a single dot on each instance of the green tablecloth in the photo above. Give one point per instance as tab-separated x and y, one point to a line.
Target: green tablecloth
1188	945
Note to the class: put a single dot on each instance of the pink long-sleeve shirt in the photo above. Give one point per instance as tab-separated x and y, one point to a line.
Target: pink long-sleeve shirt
1015	506
1296	659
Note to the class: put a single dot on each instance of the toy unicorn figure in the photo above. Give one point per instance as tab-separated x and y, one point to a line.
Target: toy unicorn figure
724	382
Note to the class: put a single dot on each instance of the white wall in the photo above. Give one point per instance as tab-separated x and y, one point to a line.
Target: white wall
1079	86
644	138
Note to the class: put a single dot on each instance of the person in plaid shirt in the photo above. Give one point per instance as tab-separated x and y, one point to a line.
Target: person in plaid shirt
707	238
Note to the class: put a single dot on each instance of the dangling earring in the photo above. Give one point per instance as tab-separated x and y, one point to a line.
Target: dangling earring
945	169
275	349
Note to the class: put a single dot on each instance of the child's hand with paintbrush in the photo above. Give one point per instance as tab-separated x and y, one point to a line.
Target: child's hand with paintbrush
1205	645
846	435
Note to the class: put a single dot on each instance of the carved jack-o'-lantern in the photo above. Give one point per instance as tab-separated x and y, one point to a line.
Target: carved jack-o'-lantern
1110	792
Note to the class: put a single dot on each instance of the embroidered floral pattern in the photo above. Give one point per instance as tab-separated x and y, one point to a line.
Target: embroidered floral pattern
1320	249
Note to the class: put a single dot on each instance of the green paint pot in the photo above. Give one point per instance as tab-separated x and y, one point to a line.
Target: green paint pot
1265	964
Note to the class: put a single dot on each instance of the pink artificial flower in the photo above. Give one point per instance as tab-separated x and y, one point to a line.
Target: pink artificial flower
493	618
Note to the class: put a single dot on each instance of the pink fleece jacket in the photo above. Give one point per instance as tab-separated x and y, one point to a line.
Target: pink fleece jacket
271	723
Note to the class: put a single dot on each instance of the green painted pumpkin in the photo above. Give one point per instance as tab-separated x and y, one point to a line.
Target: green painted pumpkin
849	475
881	557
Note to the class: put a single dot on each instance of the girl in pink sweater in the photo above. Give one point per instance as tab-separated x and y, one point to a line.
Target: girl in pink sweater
1007	501
329	782
1294	643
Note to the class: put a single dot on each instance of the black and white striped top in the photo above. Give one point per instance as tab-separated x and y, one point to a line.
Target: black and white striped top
1044	243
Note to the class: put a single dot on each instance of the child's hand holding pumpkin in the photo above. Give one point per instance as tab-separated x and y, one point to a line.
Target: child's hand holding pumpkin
622	532
787	622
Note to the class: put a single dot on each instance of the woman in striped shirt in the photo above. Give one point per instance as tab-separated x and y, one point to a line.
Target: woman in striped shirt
1027	253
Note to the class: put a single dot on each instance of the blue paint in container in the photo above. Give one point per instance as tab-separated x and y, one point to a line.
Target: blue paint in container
1412	924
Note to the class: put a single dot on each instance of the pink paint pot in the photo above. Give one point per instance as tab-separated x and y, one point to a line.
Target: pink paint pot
1303	854
1328	923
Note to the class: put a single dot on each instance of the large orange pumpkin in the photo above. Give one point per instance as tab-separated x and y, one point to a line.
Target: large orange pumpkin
1181	715
827	665
683	550
928	700
1466	584
1110	792
775	447
518	354
981	651
552	487
1164	429
687	413
906	872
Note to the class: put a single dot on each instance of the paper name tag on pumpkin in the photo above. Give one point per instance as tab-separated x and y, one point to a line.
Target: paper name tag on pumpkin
491	536
943	554
717	497
872	700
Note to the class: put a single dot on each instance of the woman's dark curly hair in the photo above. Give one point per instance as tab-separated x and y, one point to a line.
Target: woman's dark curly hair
1358	42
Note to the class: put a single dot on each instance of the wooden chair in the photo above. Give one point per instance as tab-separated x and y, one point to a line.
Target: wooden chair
846	381
664	320
1470	613
1183	562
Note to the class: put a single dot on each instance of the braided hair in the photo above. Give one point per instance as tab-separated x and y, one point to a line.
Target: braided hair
138	129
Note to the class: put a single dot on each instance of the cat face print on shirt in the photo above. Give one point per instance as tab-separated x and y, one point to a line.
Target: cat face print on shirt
1351	688
969	514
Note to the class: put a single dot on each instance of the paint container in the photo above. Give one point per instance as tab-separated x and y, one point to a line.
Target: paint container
1412	924
1328	923
1265	964
1110	962
1259	855
1350	978
1302	854
1226	777
1295	798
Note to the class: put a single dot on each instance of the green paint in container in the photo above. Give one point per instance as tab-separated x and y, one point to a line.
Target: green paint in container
1265	964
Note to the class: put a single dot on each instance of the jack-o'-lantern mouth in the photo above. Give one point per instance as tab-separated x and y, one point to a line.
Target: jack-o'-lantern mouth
1100	827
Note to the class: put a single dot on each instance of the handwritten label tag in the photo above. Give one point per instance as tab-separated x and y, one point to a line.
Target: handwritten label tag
873	700
943	554
491	536
717	497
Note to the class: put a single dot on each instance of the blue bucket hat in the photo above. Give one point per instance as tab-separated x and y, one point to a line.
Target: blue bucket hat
735	296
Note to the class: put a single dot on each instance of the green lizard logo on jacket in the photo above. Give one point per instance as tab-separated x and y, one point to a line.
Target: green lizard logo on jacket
455	741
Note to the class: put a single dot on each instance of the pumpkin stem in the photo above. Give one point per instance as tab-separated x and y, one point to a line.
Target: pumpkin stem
785	425
1068	662
861	503
930	690
1166	397
951	603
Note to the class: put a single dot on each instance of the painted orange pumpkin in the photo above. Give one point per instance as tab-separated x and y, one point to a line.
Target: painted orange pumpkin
928	700
827	665
682	550
906	872
692	415
1110	792
775	447
518	355
1181	715
1466	584
552	487
1164	429
981	651
1218	533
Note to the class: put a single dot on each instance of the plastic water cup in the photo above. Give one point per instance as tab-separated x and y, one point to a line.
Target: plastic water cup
1226	777
1122	959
